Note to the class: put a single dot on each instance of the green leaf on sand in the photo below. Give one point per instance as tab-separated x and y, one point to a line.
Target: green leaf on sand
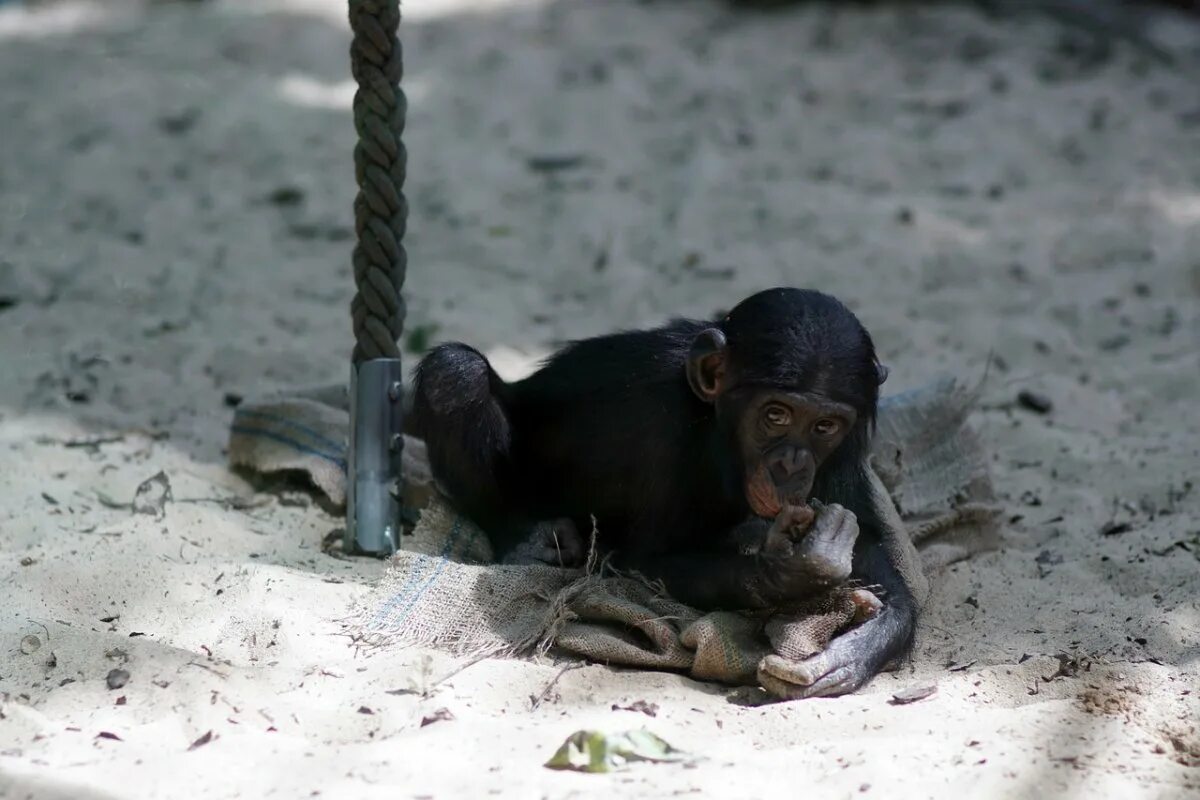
594	751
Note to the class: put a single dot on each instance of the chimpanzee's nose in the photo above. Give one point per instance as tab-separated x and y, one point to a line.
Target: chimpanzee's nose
790	465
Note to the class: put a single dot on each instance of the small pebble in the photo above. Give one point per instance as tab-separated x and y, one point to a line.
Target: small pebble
30	645
554	163
1033	401
1114	343
286	196
117	678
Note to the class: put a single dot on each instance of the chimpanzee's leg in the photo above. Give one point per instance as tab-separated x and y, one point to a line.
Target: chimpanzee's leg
458	408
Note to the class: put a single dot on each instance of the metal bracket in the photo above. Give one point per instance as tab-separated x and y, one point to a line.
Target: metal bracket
376	444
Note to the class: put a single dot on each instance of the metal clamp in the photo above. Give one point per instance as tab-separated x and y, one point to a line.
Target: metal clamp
376	445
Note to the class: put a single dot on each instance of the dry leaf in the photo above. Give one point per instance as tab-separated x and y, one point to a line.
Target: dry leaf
594	751
913	695
203	740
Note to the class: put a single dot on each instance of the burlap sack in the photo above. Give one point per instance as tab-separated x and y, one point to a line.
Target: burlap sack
442	591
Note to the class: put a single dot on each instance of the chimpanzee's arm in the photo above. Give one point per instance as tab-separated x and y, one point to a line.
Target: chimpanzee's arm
855	657
781	571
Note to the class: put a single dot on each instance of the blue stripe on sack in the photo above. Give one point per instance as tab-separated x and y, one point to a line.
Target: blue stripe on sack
265	434
337	446
399	597
395	599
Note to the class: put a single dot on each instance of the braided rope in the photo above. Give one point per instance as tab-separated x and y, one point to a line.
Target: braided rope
380	163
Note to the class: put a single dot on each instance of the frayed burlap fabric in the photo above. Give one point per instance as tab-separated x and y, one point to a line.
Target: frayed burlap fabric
442	590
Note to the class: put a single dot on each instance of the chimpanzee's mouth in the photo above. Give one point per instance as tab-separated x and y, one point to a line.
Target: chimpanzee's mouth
767	499
769	505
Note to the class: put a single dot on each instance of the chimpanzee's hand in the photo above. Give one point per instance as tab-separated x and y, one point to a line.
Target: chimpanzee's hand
795	564
788	528
854	658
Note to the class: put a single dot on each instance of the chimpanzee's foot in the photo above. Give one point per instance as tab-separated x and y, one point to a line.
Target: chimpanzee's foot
557	543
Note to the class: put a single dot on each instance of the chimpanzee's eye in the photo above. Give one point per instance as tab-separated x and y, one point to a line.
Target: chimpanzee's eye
777	416
826	427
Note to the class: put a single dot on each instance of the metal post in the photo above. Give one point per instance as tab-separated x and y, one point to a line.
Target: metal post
376	446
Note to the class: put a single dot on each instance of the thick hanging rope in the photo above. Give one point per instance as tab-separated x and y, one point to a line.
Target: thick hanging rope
380	161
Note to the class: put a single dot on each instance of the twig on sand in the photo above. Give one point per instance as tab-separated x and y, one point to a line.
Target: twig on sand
214	671
534	702
90	442
233	502
429	689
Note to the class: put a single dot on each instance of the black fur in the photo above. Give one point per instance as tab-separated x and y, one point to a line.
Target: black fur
610	427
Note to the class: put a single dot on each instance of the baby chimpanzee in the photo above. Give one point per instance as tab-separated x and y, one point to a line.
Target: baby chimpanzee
681	442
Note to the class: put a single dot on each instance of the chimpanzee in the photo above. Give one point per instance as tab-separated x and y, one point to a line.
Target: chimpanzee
683	443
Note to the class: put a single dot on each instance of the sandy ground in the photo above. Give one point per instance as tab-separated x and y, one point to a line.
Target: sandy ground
175	186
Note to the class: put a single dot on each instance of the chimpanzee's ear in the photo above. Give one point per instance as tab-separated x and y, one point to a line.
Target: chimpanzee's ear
881	373
706	364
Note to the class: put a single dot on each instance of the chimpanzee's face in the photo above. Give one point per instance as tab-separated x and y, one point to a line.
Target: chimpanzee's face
783	438
792	375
